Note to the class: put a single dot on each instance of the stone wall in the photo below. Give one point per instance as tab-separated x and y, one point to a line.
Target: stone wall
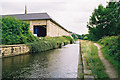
53	29
11	50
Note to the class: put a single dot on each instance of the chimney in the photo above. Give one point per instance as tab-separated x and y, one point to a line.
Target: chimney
25	9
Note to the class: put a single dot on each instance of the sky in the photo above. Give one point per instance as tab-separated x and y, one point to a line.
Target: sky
71	14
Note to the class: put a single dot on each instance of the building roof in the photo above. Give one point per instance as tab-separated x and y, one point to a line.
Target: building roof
34	16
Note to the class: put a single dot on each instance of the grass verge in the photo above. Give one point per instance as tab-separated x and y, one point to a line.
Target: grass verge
90	53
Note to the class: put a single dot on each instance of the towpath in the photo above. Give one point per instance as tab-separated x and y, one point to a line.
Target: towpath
110	70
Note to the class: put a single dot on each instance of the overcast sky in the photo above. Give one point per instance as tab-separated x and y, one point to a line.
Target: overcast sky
71	14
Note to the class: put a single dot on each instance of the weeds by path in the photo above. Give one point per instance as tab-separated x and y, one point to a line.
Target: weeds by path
90	53
110	70
110	47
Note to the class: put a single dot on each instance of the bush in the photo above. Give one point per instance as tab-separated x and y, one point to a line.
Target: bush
48	43
15	32
112	46
85	38
69	39
111	50
42	45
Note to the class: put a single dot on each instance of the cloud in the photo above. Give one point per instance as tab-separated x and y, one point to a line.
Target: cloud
71	14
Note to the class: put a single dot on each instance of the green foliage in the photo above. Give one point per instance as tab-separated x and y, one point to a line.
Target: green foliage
91	55
75	37
85	38
61	39
48	43
0	30
111	50
112	46
69	39
104	21
15	32
42	45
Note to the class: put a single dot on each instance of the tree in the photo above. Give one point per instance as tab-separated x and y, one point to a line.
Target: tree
0	30
74	36
104	21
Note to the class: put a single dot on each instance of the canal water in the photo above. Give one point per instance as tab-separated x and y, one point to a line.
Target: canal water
58	63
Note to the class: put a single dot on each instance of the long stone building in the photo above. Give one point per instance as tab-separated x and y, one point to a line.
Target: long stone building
41	24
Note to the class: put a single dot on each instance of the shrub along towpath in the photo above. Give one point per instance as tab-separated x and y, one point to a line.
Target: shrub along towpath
110	70
90	54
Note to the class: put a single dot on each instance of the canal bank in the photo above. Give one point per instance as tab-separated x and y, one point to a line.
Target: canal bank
14	50
57	63
43	44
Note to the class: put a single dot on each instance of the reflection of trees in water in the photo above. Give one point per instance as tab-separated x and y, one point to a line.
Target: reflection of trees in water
16	61
12	64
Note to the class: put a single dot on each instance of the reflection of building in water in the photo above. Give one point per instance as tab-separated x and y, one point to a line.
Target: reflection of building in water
41	24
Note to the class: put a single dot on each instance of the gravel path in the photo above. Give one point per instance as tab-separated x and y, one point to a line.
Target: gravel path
112	73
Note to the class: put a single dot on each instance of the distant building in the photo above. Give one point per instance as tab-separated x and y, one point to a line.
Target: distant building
41	24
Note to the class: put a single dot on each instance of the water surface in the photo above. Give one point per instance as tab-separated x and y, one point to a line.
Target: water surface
58	63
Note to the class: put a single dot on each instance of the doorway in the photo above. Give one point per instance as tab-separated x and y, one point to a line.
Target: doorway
40	31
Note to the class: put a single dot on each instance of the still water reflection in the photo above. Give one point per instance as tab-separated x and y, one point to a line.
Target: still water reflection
58	63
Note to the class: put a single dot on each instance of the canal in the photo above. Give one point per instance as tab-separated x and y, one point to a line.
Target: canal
58	63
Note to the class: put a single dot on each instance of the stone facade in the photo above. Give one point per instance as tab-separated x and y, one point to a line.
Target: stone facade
52	29
55	30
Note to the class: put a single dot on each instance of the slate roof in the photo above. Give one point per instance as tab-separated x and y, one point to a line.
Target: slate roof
32	16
